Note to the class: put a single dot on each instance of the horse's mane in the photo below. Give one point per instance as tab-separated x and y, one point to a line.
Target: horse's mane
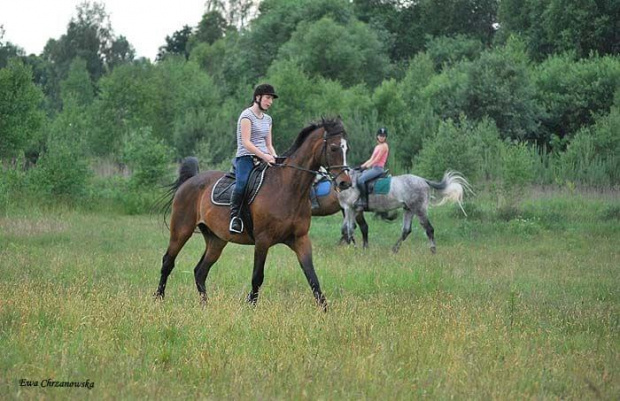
333	126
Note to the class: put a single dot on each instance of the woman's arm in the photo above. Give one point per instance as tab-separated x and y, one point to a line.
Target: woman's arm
270	144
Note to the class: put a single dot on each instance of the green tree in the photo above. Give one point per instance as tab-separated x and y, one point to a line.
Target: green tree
348	53
177	44
447	51
556	26
21	118
90	37
147	156
573	92
211	28
78	85
497	85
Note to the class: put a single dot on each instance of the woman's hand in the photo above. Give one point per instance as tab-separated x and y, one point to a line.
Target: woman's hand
269	159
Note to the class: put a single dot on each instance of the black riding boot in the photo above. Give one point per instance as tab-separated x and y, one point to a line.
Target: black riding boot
236	223
314	200
361	204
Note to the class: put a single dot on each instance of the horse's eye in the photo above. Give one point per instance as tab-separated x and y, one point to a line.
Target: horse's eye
334	148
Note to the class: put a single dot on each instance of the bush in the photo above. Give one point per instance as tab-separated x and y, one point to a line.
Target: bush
461	146
147	157
62	171
591	158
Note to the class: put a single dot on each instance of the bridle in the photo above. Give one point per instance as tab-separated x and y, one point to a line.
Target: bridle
327	173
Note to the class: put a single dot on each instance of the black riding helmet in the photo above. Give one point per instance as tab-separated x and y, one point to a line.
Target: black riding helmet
382	132
263	89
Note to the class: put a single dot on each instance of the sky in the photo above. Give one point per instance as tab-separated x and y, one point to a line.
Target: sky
145	23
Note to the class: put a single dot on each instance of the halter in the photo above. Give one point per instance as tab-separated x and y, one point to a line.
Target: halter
327	174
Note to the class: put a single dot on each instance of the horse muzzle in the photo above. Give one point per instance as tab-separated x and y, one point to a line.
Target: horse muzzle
343	185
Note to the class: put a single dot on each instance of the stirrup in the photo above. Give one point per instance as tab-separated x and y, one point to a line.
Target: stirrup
233	229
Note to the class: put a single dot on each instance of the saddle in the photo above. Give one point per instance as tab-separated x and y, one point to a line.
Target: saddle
379	185
322	187
223	189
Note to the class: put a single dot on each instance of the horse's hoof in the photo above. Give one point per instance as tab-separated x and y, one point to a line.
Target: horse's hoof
203	300
158	296
395	249
322	303
252	299
433	250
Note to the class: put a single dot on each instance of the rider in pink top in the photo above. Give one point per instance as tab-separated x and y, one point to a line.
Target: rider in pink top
373	167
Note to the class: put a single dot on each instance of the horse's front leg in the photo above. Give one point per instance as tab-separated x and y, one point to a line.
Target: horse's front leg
349	224
258	274
303	249
361	221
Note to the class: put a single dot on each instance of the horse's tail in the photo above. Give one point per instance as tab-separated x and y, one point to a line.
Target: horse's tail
452	188
188	169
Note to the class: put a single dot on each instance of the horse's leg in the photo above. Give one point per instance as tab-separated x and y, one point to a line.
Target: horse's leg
201	271
303	249
258	274
349	224
344	230
361	221
178	238
407	218
430	231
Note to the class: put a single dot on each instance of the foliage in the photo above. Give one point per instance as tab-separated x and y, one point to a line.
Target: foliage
148	158
177	44
61	171
453	147
573	91
491	75
557	26
593	155
350	53
446	51
496	85
21	119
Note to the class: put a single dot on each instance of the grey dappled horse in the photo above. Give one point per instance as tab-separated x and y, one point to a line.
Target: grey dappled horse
410	192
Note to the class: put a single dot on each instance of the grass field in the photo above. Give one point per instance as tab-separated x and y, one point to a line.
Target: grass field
510	309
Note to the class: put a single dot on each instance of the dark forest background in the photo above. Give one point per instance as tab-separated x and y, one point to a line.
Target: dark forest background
511	93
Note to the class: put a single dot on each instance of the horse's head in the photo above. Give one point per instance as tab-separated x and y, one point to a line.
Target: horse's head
334	153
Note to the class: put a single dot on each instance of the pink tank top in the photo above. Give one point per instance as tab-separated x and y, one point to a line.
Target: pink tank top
382	154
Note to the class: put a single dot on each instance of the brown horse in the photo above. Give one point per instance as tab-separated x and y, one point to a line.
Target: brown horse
280	212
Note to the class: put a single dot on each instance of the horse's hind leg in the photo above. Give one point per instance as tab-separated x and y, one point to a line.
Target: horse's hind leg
407	218
211	255
430	231
178	238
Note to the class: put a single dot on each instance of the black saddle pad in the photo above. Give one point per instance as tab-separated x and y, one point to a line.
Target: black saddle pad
223	188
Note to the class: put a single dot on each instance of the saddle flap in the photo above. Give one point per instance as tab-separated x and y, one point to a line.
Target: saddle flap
223	188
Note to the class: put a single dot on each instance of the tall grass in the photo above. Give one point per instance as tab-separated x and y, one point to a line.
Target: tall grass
518	308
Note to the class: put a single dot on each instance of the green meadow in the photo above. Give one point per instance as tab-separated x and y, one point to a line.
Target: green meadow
513	306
